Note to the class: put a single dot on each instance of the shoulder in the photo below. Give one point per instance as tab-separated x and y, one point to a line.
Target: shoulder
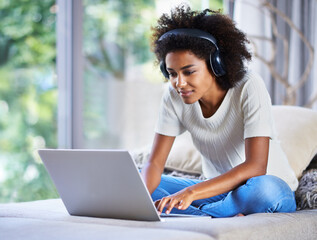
255	104
251	80
252	88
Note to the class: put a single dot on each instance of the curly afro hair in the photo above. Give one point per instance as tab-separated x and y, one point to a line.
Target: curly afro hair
230	40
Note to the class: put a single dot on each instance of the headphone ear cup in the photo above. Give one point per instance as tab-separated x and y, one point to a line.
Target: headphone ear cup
217	65
163	69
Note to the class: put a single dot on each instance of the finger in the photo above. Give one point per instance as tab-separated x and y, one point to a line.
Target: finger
162	204
157	203
171	205
180	204
184	205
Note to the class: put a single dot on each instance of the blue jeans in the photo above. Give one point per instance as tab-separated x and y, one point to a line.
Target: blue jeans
258	195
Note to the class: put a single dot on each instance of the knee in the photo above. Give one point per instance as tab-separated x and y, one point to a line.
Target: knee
269	185
272	193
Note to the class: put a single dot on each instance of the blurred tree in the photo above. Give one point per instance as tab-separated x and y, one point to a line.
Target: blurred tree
28	97
116	31
27	32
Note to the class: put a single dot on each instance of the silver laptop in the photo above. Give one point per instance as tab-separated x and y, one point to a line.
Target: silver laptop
99	183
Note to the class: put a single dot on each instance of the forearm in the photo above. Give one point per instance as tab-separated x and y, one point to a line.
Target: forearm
225	182
151	176
154	168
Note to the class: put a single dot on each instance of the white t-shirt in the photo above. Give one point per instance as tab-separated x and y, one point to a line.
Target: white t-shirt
244	112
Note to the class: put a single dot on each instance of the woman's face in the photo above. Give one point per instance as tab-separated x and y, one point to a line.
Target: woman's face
189	76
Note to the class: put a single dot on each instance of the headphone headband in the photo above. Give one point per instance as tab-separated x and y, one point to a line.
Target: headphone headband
192	32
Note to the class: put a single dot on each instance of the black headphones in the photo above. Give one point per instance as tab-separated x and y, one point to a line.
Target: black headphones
216	63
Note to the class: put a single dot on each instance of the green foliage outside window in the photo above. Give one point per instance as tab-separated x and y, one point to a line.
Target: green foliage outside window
28	97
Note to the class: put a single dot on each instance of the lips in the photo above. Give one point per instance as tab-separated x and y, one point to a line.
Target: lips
185	93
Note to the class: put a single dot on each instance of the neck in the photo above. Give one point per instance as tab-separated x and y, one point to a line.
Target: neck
209	105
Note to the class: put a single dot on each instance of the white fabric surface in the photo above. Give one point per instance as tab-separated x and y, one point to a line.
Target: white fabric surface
32	229
297	128
48	219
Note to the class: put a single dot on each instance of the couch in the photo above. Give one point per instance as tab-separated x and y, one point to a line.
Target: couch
48	219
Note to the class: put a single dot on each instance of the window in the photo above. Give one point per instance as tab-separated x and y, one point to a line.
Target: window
28	98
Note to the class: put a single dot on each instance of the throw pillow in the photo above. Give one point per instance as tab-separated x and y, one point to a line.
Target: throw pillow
306	193
183	156
297	129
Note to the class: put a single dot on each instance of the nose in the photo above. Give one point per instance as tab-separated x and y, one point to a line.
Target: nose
180	82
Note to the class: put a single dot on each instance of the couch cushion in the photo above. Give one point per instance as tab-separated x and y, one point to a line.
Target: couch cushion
183	157
298	225
27	228
297	129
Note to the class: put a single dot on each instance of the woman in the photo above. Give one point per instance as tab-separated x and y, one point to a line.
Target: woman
226	109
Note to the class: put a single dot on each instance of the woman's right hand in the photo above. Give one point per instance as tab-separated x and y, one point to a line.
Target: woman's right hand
180	200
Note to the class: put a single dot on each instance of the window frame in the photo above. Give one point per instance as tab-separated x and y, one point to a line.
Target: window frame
70	73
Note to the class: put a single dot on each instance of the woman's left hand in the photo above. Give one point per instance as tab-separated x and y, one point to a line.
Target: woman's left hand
180	200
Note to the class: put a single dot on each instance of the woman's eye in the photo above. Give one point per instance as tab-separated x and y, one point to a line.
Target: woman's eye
187	73
172	74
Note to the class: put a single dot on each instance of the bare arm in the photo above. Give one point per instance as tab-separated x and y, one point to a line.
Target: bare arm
256	150
153	169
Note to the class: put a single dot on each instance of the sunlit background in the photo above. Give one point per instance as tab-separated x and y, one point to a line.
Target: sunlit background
28	97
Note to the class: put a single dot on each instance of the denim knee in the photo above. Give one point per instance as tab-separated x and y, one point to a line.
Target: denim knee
272	193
